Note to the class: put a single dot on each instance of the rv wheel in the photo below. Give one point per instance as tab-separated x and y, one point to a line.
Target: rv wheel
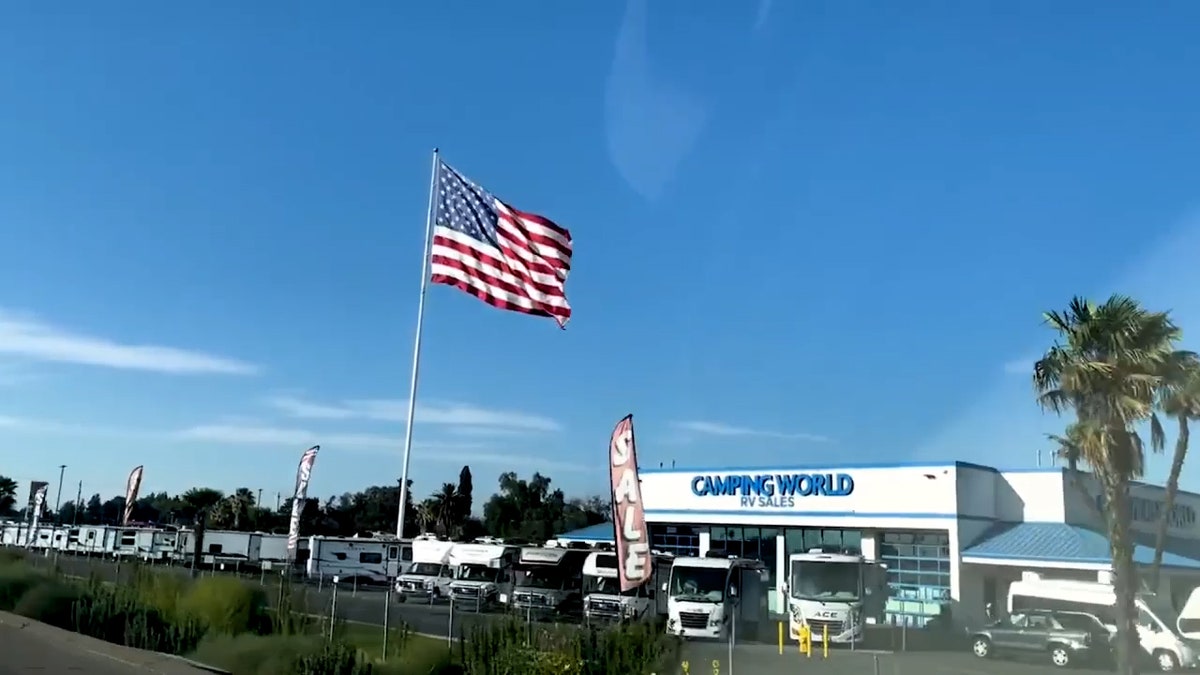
1166	661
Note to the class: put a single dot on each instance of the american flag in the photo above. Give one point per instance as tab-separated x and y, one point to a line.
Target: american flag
510	259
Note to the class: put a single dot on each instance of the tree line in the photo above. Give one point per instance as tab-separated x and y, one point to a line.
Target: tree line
528	509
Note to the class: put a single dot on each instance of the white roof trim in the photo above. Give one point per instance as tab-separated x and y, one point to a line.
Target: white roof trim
1045	564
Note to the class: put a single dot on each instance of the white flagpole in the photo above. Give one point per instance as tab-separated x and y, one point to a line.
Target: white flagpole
416	364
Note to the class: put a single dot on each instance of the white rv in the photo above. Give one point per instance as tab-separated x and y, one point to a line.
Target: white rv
273	553
40	538
602	596
548	580
480	572
91	540
1158	624
833	593
362	559
227	547
431	573
134	542
10	532
707	596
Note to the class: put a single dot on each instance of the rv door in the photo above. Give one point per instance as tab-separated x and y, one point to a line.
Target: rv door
1188	622
874	578
393	561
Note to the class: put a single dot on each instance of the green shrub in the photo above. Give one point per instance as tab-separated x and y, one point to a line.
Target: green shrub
515	648
15	580
51	601
159	590
227	606
9	556
255	655
282	655
116	614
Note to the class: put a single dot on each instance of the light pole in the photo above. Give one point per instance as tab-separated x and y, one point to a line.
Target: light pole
62	470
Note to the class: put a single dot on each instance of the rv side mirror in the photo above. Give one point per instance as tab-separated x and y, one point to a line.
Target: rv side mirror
732	592
664	587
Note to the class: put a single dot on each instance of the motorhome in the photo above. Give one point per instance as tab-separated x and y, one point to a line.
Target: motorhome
833	593
431	573
483	573
603	599
707	596
1159	626
359	559
548	580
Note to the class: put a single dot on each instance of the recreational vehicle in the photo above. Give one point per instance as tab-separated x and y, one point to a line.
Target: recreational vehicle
548	580
273	552
706	597
134	542
431	573
232	549
833	594
90	540
359	559
1159	626
483	573
603	599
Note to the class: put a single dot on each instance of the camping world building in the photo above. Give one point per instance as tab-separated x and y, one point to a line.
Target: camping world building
952	536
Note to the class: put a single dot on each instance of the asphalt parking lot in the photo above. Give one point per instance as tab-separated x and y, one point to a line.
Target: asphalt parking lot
884	655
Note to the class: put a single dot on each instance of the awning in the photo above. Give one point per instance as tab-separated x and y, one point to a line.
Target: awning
1058	545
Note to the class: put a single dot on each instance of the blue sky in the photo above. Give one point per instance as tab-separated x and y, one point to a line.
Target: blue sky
804	232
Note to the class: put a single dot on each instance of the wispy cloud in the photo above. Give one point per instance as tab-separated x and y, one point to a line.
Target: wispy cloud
764	11
720	429
435	451
458	416
31	338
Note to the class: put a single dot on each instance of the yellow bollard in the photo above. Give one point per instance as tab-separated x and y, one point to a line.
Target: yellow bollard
824	642
806	640
686	667
781	638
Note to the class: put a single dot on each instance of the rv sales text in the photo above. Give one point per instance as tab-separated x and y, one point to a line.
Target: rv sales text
773	490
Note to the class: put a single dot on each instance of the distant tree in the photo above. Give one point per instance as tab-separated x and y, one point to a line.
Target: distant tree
524	509
8	494
94	512
198	499
465	498
68	514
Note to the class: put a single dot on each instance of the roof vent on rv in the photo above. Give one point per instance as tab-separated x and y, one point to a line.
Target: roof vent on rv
716	553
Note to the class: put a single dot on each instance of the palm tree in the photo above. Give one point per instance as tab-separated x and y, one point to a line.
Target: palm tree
239	504
1181	400
444	503
1107	367
426	513
8	494
1069	446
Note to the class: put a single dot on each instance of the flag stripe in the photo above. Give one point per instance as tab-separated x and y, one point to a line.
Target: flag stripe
508	258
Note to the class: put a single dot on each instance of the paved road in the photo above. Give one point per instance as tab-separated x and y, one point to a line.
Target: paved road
31	647
367	606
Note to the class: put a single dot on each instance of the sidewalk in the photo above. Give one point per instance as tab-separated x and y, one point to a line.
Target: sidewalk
29	646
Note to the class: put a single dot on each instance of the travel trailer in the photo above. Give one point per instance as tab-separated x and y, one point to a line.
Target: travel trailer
548	580
833	594
90	540
233	549
1159	626
431	573
135	543
483	573
273	552
358	559
602	596
706	597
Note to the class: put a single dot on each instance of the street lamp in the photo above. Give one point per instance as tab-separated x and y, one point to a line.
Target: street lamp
62	469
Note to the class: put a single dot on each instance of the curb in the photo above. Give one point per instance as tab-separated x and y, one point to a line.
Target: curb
196	664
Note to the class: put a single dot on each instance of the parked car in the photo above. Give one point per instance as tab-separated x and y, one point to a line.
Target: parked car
1065	638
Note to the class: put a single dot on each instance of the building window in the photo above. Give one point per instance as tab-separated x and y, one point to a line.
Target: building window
678	540
918	576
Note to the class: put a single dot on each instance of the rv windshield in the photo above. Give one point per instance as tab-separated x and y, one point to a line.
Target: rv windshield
1161	607
476	572
612	586
825	581
539	578
698	584
426	569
